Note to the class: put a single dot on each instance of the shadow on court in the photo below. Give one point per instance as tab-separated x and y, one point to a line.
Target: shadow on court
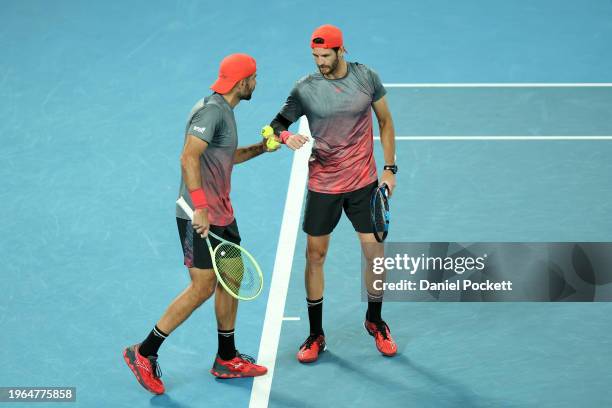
165	400
245	383
286	399
396	385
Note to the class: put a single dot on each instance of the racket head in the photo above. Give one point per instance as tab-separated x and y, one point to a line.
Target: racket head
236	269
379	212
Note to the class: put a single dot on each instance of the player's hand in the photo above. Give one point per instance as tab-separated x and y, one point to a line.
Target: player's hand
200	222
296	141
388	178
271	147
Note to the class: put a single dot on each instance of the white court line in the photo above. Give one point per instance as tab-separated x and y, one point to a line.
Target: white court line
291	319
502	85
279	285
500	138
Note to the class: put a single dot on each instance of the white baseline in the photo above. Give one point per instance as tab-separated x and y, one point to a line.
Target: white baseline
502	85
499	138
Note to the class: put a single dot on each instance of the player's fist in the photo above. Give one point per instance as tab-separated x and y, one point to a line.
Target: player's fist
388	178
200	222
294	142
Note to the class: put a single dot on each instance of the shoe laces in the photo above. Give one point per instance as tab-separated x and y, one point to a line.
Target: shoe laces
245	357
156	370
382	328
309	341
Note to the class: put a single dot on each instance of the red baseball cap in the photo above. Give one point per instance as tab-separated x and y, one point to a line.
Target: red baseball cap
233	68
331	36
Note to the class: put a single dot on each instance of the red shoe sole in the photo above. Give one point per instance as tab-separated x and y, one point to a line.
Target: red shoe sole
229	376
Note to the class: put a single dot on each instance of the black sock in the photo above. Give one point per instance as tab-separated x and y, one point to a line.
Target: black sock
152	343
315	315
374	308
227	348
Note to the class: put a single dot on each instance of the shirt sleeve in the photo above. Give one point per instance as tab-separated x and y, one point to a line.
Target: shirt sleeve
205	123
377	86
292	109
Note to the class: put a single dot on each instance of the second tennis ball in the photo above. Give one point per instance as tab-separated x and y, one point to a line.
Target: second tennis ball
268	133
272	144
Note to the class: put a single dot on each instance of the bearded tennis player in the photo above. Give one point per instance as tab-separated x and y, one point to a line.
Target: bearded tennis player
338	101
209	154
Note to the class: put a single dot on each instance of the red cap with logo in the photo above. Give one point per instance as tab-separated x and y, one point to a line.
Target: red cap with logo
233	68
327	36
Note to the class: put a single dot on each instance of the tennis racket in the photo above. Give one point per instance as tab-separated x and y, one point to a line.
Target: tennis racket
379	212
236	269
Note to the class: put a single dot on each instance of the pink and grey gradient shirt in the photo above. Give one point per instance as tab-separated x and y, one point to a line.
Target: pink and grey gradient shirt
339	113
212	120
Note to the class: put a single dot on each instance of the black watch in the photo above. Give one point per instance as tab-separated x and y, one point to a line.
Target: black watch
391	167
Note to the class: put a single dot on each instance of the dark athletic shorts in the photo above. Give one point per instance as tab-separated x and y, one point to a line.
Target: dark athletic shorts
195	248
323	210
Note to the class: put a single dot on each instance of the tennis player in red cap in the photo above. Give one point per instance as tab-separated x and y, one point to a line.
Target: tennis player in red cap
338	102
209	153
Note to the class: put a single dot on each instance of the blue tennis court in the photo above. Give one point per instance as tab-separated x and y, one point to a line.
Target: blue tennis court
95	97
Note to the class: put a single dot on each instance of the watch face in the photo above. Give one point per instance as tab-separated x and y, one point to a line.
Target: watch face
392	168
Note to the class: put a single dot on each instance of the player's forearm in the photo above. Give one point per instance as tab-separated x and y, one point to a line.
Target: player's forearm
243	154
190	168
387	138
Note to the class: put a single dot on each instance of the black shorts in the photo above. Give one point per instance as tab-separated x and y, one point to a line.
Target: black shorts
195	248
323	210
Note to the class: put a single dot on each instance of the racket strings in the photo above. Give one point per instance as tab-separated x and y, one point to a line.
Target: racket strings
237	271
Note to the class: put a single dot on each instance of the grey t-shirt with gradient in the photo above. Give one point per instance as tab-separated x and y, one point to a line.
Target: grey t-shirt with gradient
212	120
339	113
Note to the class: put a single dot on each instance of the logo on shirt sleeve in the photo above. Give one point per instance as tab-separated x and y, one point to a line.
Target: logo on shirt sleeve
199	129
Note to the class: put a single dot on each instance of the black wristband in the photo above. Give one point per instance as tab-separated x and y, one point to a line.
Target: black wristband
391	167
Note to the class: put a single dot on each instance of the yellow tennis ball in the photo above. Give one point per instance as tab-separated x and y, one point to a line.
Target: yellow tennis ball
267	131
272	144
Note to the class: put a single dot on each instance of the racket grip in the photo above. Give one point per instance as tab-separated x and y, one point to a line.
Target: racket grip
385	189
185	207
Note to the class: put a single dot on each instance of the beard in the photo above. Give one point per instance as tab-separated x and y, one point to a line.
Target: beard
246	95
329	69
